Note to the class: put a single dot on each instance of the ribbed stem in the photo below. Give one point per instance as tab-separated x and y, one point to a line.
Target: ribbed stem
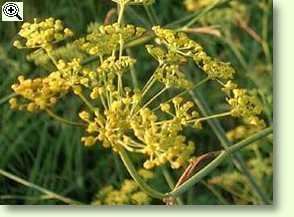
133	172
218	160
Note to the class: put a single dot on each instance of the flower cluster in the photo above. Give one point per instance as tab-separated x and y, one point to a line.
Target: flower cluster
163	141
243	105
168	72
129	193
182	111
178	42
42	34
38	94
112	67
44	92
74	74
106	39
109	128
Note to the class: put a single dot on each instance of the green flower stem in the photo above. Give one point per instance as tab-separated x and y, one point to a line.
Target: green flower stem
148	85
121	41
220	115
170	182
167	177
203	81
218	160
133	71
181	20
142	184
250	140
139	41
134	43
220	133
154	97
49	193
202	13
8	97
121	13
84	99
63	120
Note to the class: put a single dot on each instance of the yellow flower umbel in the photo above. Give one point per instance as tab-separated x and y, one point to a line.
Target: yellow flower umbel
38	94
180	44
105	39
42	34
243	105
43	92
162	141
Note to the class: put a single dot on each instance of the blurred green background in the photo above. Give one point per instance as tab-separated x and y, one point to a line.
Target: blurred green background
49	154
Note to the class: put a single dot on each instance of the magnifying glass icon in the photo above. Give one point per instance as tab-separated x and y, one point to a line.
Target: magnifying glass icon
11	10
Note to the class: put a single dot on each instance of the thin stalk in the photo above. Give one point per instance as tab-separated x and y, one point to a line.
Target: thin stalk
170	182
132	171
141	40
8	97
133	71
49	193
155	97
181	20
250	140
63	120
120	23
202	13
134	43
184	92
84	99
148	84
121	13
220	133
220	115
217	161
103	101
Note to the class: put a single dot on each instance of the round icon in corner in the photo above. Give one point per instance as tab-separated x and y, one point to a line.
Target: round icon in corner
11	9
